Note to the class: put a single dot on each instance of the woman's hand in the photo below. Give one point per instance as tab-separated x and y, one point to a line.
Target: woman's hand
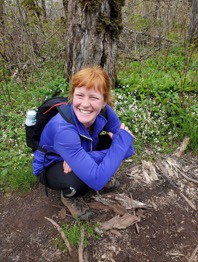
66	168
126	129
110	134
123	126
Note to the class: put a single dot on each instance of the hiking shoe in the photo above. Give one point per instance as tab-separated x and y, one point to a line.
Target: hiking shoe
112	184
77	207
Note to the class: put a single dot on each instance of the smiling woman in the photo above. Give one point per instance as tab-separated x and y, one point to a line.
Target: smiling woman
83	159
87	105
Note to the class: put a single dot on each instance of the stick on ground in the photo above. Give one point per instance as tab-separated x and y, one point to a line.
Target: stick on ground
193	254
62	234
136	225
180	150
188	178
81	246
188	201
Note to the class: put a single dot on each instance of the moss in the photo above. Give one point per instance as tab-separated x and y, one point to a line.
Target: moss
112	23
90	5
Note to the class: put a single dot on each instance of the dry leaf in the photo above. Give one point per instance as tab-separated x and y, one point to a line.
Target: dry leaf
98	206
120	222
118	209
62	213
116	232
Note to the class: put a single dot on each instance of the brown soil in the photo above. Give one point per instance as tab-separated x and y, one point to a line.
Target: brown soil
167	231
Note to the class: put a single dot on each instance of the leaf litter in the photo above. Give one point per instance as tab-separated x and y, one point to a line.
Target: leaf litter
163	207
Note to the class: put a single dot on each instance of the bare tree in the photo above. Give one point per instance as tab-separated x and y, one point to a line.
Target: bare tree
2	4
193	28
44	10
2	26
92	34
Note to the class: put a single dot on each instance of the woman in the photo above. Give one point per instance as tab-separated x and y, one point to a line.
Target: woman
86	160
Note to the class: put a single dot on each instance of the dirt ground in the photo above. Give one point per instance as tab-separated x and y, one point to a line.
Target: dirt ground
167	229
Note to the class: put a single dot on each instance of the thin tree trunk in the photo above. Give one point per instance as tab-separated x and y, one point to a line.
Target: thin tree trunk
2	25
193	28
44	10
28	37
93	28
2	5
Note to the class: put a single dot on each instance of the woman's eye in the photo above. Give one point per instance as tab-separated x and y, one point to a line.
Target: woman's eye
79	95
94	98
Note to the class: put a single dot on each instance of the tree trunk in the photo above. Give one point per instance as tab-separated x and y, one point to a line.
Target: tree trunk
193	28
93	28
44	10
2	5
65	6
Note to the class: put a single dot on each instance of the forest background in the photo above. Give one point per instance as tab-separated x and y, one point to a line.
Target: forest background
155	88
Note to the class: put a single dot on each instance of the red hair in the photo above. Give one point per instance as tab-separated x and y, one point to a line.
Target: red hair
91	77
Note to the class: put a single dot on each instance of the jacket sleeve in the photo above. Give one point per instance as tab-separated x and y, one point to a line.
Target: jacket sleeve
84	166
113	125
98	155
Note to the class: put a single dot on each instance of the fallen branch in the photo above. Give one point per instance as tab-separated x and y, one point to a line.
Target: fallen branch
81	246
136	225
193	254
62	234
188	178
129	203
176	254
188	201
171	166
179	151
166	171
101	199
149	168
166	174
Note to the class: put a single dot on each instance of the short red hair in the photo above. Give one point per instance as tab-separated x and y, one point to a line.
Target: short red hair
91	77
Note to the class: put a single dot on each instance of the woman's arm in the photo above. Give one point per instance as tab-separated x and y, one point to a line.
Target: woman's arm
113	126
93	174
97	156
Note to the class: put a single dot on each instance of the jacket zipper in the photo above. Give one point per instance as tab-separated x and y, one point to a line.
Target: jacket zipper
90	139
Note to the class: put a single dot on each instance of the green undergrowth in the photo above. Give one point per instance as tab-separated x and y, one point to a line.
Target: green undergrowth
18	96
73	233
156	98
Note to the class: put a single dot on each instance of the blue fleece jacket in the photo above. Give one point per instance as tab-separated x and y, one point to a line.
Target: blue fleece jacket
76	146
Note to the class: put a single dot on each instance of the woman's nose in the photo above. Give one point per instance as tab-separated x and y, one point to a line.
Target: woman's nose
85	102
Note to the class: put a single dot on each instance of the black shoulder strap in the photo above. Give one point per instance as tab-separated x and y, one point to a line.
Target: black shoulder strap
65	112
103	112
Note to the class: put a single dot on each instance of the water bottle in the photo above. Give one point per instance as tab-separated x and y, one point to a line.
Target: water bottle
30	117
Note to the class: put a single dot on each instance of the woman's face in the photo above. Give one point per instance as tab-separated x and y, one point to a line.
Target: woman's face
87	104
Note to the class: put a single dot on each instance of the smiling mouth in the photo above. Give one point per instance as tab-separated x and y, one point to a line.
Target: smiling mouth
85	112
